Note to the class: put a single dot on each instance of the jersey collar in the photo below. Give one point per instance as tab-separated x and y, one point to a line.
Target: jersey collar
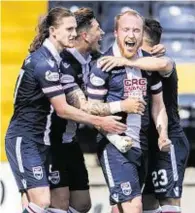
79	56
48	44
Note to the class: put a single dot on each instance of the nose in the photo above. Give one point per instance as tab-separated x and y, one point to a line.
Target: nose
102	32
131	34
74	33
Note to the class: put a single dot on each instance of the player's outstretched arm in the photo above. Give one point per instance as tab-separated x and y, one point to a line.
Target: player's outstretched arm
66	111
161	121
163	64
77	99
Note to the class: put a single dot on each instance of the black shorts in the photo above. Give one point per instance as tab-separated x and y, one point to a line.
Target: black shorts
166	170
68	167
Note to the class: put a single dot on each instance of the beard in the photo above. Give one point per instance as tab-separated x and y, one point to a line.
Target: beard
124	52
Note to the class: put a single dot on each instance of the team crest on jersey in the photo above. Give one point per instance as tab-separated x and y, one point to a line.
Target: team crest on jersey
65	78
52	76
126	188
136	87
96	81
54	177
38	172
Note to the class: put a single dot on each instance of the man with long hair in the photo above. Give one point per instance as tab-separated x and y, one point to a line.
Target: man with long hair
38	93
69	178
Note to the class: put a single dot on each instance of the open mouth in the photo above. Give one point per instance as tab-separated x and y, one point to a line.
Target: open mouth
99	41
129	44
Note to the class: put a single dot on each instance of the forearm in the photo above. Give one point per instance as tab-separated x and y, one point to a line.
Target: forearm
151	64
97	107
77	115
77	99
160	119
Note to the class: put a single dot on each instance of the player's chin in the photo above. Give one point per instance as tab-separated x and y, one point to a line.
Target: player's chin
70	45
129	54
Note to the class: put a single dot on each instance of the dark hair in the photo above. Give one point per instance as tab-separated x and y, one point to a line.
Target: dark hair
84	17
51	19
153	31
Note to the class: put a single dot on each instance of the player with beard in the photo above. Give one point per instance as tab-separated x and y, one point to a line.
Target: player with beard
125	172
163	188
68	175
38	93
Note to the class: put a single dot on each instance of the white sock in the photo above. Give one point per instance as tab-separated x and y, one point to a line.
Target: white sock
52	210
171	209
153	211
34	208
72	210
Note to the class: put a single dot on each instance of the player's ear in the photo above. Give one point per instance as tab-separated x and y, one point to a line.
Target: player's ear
52	30
84	35
115	34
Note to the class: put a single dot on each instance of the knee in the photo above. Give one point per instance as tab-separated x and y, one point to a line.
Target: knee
60	199
40	197
169	201
82	206
150	202
134	205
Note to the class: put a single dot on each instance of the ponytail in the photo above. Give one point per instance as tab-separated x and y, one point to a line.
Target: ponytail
42	34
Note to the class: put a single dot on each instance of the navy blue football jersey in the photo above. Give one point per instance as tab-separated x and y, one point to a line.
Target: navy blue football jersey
38	81
121	83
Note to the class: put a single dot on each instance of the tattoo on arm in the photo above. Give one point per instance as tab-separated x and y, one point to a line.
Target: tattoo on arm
97	107
77	99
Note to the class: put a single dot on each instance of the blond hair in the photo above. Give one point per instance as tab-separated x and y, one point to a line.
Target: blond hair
127	12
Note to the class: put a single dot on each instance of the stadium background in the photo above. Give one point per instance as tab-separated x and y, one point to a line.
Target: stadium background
19	18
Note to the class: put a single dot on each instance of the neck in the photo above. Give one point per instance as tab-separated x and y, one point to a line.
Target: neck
82	48
58	47
146	47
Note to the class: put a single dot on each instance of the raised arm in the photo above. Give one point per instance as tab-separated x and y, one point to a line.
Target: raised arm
149	63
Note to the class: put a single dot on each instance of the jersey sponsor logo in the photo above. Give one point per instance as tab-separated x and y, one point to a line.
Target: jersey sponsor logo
50	62
66	65
96	81
54	177
52	76
115	197
38	172
65	78
136	87
126	188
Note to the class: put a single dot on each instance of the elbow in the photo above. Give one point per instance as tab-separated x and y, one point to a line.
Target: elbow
63	112
163	65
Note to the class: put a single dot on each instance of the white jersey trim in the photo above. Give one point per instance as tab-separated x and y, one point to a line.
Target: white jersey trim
46	138
18	154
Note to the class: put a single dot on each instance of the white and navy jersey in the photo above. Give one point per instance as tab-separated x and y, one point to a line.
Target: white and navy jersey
121	83
72	78
38	81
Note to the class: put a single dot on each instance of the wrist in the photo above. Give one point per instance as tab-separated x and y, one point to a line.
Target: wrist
115	107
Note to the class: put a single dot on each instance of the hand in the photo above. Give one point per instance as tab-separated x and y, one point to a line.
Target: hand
107	63
111	125
122	143
133	105
164	144
158	50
